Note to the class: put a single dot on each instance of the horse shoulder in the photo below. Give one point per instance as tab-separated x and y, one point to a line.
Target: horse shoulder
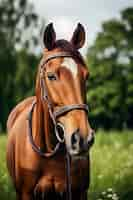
18	110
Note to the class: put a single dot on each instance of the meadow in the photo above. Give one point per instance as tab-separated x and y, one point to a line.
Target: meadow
111	168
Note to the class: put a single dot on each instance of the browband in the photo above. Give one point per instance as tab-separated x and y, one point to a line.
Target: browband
56	55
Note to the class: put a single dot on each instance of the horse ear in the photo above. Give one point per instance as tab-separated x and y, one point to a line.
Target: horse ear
78	38
49	37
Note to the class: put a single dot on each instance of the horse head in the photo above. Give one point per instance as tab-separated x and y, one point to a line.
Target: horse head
61	89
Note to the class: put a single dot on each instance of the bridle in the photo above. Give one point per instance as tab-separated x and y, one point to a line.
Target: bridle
54	115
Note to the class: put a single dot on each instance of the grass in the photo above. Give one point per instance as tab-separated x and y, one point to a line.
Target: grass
111	168
6	188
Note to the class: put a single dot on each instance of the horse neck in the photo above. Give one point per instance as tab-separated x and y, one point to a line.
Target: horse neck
43	121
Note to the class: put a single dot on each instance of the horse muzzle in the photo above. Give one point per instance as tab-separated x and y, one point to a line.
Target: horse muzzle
79	146
74	143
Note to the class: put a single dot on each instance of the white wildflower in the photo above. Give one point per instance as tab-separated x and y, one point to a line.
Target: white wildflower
109	195
103	193
110	190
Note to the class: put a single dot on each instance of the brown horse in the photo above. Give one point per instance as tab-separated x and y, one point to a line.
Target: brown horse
44	127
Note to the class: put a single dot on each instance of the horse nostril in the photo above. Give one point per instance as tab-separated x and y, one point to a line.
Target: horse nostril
75	139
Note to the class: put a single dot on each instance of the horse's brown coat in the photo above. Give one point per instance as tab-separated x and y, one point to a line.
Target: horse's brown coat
28	170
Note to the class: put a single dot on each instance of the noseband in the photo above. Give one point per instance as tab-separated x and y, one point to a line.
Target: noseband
53	114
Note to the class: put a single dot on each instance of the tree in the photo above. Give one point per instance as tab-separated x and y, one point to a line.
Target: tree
24	81
17	21
110	60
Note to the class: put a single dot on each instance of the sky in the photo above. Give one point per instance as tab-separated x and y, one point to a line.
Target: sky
65	14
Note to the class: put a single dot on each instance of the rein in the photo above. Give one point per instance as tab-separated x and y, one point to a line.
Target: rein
54	115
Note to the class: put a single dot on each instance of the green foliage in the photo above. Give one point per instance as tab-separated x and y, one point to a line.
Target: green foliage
17	17
17	64
24	80
110	62
111	168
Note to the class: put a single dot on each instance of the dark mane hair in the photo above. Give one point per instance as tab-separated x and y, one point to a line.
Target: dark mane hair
66	46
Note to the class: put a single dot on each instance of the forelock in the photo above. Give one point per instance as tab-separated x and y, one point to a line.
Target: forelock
66	46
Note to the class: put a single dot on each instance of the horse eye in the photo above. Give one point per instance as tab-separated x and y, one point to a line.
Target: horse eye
51	76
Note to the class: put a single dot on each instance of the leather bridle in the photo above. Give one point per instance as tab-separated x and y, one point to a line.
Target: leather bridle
54	115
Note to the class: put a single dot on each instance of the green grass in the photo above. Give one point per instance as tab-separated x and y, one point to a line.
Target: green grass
112	165
6	188
111	168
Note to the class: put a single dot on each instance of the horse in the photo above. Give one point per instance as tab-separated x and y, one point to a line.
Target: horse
44	128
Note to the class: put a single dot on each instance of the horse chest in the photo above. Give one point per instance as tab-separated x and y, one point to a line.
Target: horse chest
54	175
